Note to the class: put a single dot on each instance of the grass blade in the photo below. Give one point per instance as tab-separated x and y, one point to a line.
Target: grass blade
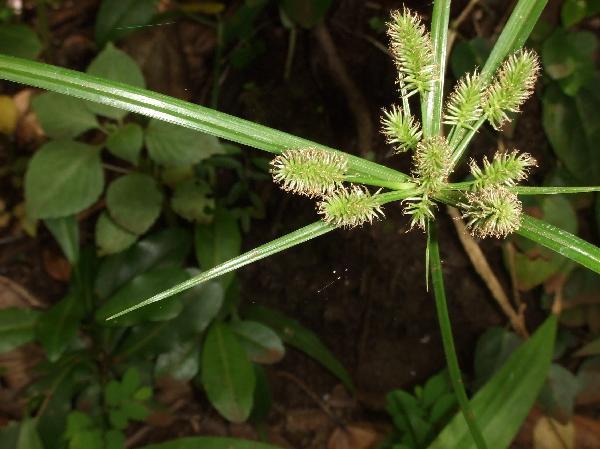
514	34
437	280
522	190
268	249
503	403
562	242
169	109
432	112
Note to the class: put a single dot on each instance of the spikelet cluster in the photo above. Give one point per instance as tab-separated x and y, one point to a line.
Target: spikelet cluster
513	85
464	105
400	130
309	171
350	207
505	169
420	210
412	49
492	212
432	162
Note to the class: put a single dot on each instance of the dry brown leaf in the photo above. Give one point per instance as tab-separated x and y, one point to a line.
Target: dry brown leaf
56	265
353	437
550	434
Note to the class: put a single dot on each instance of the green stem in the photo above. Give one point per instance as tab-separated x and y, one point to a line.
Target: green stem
371	181
464	143
448	340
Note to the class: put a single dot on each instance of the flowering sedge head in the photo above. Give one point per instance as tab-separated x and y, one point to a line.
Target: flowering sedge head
432	163
492	212
309	171
505	169
349	207
400	129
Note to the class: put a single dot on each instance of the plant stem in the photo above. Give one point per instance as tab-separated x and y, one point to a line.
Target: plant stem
372	181
448	340
462	146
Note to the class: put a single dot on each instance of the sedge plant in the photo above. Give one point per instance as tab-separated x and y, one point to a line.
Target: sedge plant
350	191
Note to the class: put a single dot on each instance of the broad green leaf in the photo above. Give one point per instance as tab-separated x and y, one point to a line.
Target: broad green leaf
130	382
572	12
134	202
63	117
115	65
192	199
306	13
502	405
110	237
571	126
201	305
261	343
263	399
57	326
514	34
17	326
493	349
227	374
298	336
210	443
126	142
19	40
435	387
117	18
63	178
169	247
28	435
181	362
172	146
591	348
142	286
66	232
218	242
557	398
561	241
179	112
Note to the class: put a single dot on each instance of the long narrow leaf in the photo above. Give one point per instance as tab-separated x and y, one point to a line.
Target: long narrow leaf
524	190
514	34
562	242
287	241
172	110
504	402
432	114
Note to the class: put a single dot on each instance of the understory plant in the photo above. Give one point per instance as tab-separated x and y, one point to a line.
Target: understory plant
350	191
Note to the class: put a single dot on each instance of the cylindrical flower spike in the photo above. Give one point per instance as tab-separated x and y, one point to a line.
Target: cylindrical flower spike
464	104
309	171
514	84
350	207
505	169
492	212
432	163
400	130
412	49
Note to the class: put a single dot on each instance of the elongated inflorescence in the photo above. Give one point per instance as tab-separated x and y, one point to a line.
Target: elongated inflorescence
505	169
411	47
309	171
400	129
350	207
492	212
464	105
513	85
432	164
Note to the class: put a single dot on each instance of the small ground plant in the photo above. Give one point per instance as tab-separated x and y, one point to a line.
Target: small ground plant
350	191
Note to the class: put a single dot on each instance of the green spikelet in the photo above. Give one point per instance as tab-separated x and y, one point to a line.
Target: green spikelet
411	47
309	171
492	212
400	130
464	105
420	210
505	169
351	207
514	84
432	162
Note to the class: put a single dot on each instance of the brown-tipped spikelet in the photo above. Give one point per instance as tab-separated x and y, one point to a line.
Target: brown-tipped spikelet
492	212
